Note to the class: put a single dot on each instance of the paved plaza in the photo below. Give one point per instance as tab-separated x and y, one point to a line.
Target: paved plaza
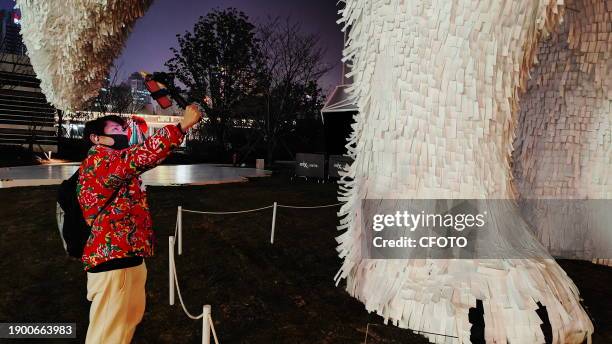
197	174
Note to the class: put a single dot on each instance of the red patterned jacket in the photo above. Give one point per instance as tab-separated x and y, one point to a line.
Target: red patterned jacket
124	228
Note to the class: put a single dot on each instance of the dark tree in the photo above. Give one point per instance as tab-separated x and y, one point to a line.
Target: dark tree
216	60
290	65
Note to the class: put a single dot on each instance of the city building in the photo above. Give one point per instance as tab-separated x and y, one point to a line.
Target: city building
26	118
140	94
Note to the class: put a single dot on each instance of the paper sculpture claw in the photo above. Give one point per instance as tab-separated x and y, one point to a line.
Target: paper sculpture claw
72	44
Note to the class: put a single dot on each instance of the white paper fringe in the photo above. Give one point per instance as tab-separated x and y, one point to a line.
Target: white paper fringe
72	44
437	84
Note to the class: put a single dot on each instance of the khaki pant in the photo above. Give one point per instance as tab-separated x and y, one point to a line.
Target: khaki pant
118	303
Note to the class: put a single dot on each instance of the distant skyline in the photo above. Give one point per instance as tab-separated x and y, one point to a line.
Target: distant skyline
148	47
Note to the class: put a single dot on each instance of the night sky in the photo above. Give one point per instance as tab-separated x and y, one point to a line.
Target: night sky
148	47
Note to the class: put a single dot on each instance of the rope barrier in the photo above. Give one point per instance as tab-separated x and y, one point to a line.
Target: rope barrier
309	207
174	283
437	334
178	230
178	291
205	315
262	208
176	226
208	319
212	329
226	212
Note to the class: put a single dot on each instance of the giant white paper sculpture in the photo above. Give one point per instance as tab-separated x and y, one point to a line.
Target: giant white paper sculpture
72	44
437	84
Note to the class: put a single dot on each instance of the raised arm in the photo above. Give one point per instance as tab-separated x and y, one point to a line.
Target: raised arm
133	161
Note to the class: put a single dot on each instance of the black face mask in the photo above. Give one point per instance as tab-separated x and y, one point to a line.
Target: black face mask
121	141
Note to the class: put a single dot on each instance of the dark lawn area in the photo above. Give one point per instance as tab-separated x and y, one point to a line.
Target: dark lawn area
260	293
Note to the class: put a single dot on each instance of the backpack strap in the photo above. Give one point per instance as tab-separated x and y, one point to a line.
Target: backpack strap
108	202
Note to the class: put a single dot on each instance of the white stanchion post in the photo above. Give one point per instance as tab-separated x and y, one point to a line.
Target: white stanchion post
180	230
206	325
171	269
273	224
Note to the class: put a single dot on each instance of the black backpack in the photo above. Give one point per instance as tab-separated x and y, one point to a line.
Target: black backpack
74	231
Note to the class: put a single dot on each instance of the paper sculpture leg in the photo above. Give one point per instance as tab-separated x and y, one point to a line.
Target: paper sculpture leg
437	84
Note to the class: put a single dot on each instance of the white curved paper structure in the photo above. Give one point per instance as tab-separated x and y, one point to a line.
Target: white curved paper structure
437	85
72	44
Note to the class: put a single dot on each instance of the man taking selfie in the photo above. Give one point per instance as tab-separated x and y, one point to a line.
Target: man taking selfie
114	203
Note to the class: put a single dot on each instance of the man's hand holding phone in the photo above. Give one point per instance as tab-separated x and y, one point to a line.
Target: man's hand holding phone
191	116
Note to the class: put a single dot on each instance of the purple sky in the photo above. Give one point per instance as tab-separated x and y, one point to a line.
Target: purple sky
149	45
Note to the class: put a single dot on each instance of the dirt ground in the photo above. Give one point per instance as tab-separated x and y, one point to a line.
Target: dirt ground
260	293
